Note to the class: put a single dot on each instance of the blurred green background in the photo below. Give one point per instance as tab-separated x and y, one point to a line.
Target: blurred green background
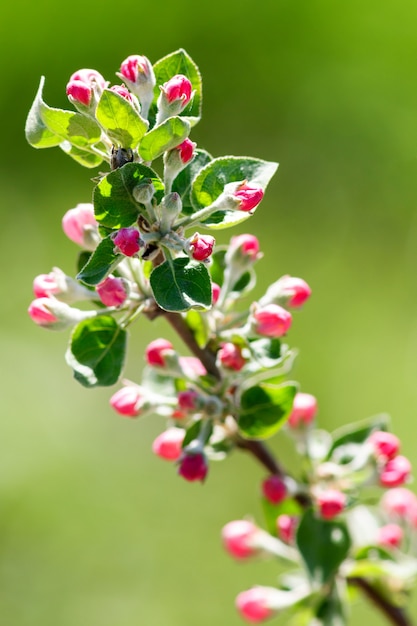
93	529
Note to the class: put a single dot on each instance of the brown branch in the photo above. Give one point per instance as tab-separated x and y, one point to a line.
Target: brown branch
396	615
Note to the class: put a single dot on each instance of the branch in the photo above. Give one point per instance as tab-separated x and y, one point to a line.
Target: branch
395	615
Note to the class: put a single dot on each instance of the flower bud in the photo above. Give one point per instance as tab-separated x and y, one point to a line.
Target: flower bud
55	315
287	526
249	196
193	466
80	225
201	246
175	94
239	539
175	160
123	92
383	444
168	445
254	605
139	76
389	536
112	291
170	208
188	400
288	291
396	472
230	356
127	401
127	240
143	193
271	320
215	292
84	88
63	287
274	489
246	246
331	503
304	410
157	351
192	367
399	503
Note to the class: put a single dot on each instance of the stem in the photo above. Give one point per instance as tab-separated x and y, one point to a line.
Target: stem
394	614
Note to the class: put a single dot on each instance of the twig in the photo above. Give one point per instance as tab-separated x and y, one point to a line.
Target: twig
396	615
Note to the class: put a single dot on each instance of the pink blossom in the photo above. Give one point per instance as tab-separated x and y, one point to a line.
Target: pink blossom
122	91
80	225
188	400
40	312
296	290
395	472
254	604
304	410
230	356
186	150
192	366
201	246
135	68
112	291
215	292
287	526
45	285
384	444
249	196
128	241
156	351
168	445
274	489
271	320
127	401
399	502
389	536
247	244
178	88
239	539
331	503
193	466
80	87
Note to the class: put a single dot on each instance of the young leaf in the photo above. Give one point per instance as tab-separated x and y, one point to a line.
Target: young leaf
182	183
114	203
210	182
81	131
101	263
179	62
122	123
358	432
181	285
83	157
217	267
165	136
97	351
264	409
36	131
323	545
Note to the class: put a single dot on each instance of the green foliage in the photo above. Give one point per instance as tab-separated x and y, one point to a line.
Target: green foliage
181	284
101	263
163	137
182	183
122	123
264	409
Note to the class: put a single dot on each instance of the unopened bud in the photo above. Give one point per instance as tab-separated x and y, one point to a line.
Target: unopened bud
249	196
55	315
288	291
157	351
193	466
331	503
168	445
239	539
304	410
143	193
127	401
230	356
201	246
384	445
112	291
389	536
80	225
287	526
137	72
271	320
127	240
396	472
61	286
274	489
175	94
84	88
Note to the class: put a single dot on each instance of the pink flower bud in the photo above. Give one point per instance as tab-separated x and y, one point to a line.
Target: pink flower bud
63	287
80	225
294	290
127	401
56	315
399	502
304	410
230	356
215	292
156	351
384	444
389	536
112	291
186	150
79	92
331	503
188	400
271	320
46	285
201	246
89	77
396	472
249	196
136	69
247	245
168	445
40	312
127	240
193	466
287	526
274	489
192	367
239	539
122	91
254	604
81	86
178	88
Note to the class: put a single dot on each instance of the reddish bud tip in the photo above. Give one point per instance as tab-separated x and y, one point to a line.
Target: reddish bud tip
287	526
296	290
201	246
112	291
122	91
178	88
188	400
253	605
389	536
274	489
384	444
193	467
331	503
128	241
249	196
304	410
168	445
399	502
230	356
395	472
40	312
79	224
135	67
186	150
272	320
239	539
248	245
155	352
127	401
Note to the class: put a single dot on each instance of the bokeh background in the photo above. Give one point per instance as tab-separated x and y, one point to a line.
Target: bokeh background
93	529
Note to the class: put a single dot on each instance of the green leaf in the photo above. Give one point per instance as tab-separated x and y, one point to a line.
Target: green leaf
211	180
182	183
181	284
266	351
323	545
358	432
197	323
265	408
83	157
36	131
273	511
114	203
179	62
217	267
97	351
124	126
331	610
81	131
101	263
165	136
